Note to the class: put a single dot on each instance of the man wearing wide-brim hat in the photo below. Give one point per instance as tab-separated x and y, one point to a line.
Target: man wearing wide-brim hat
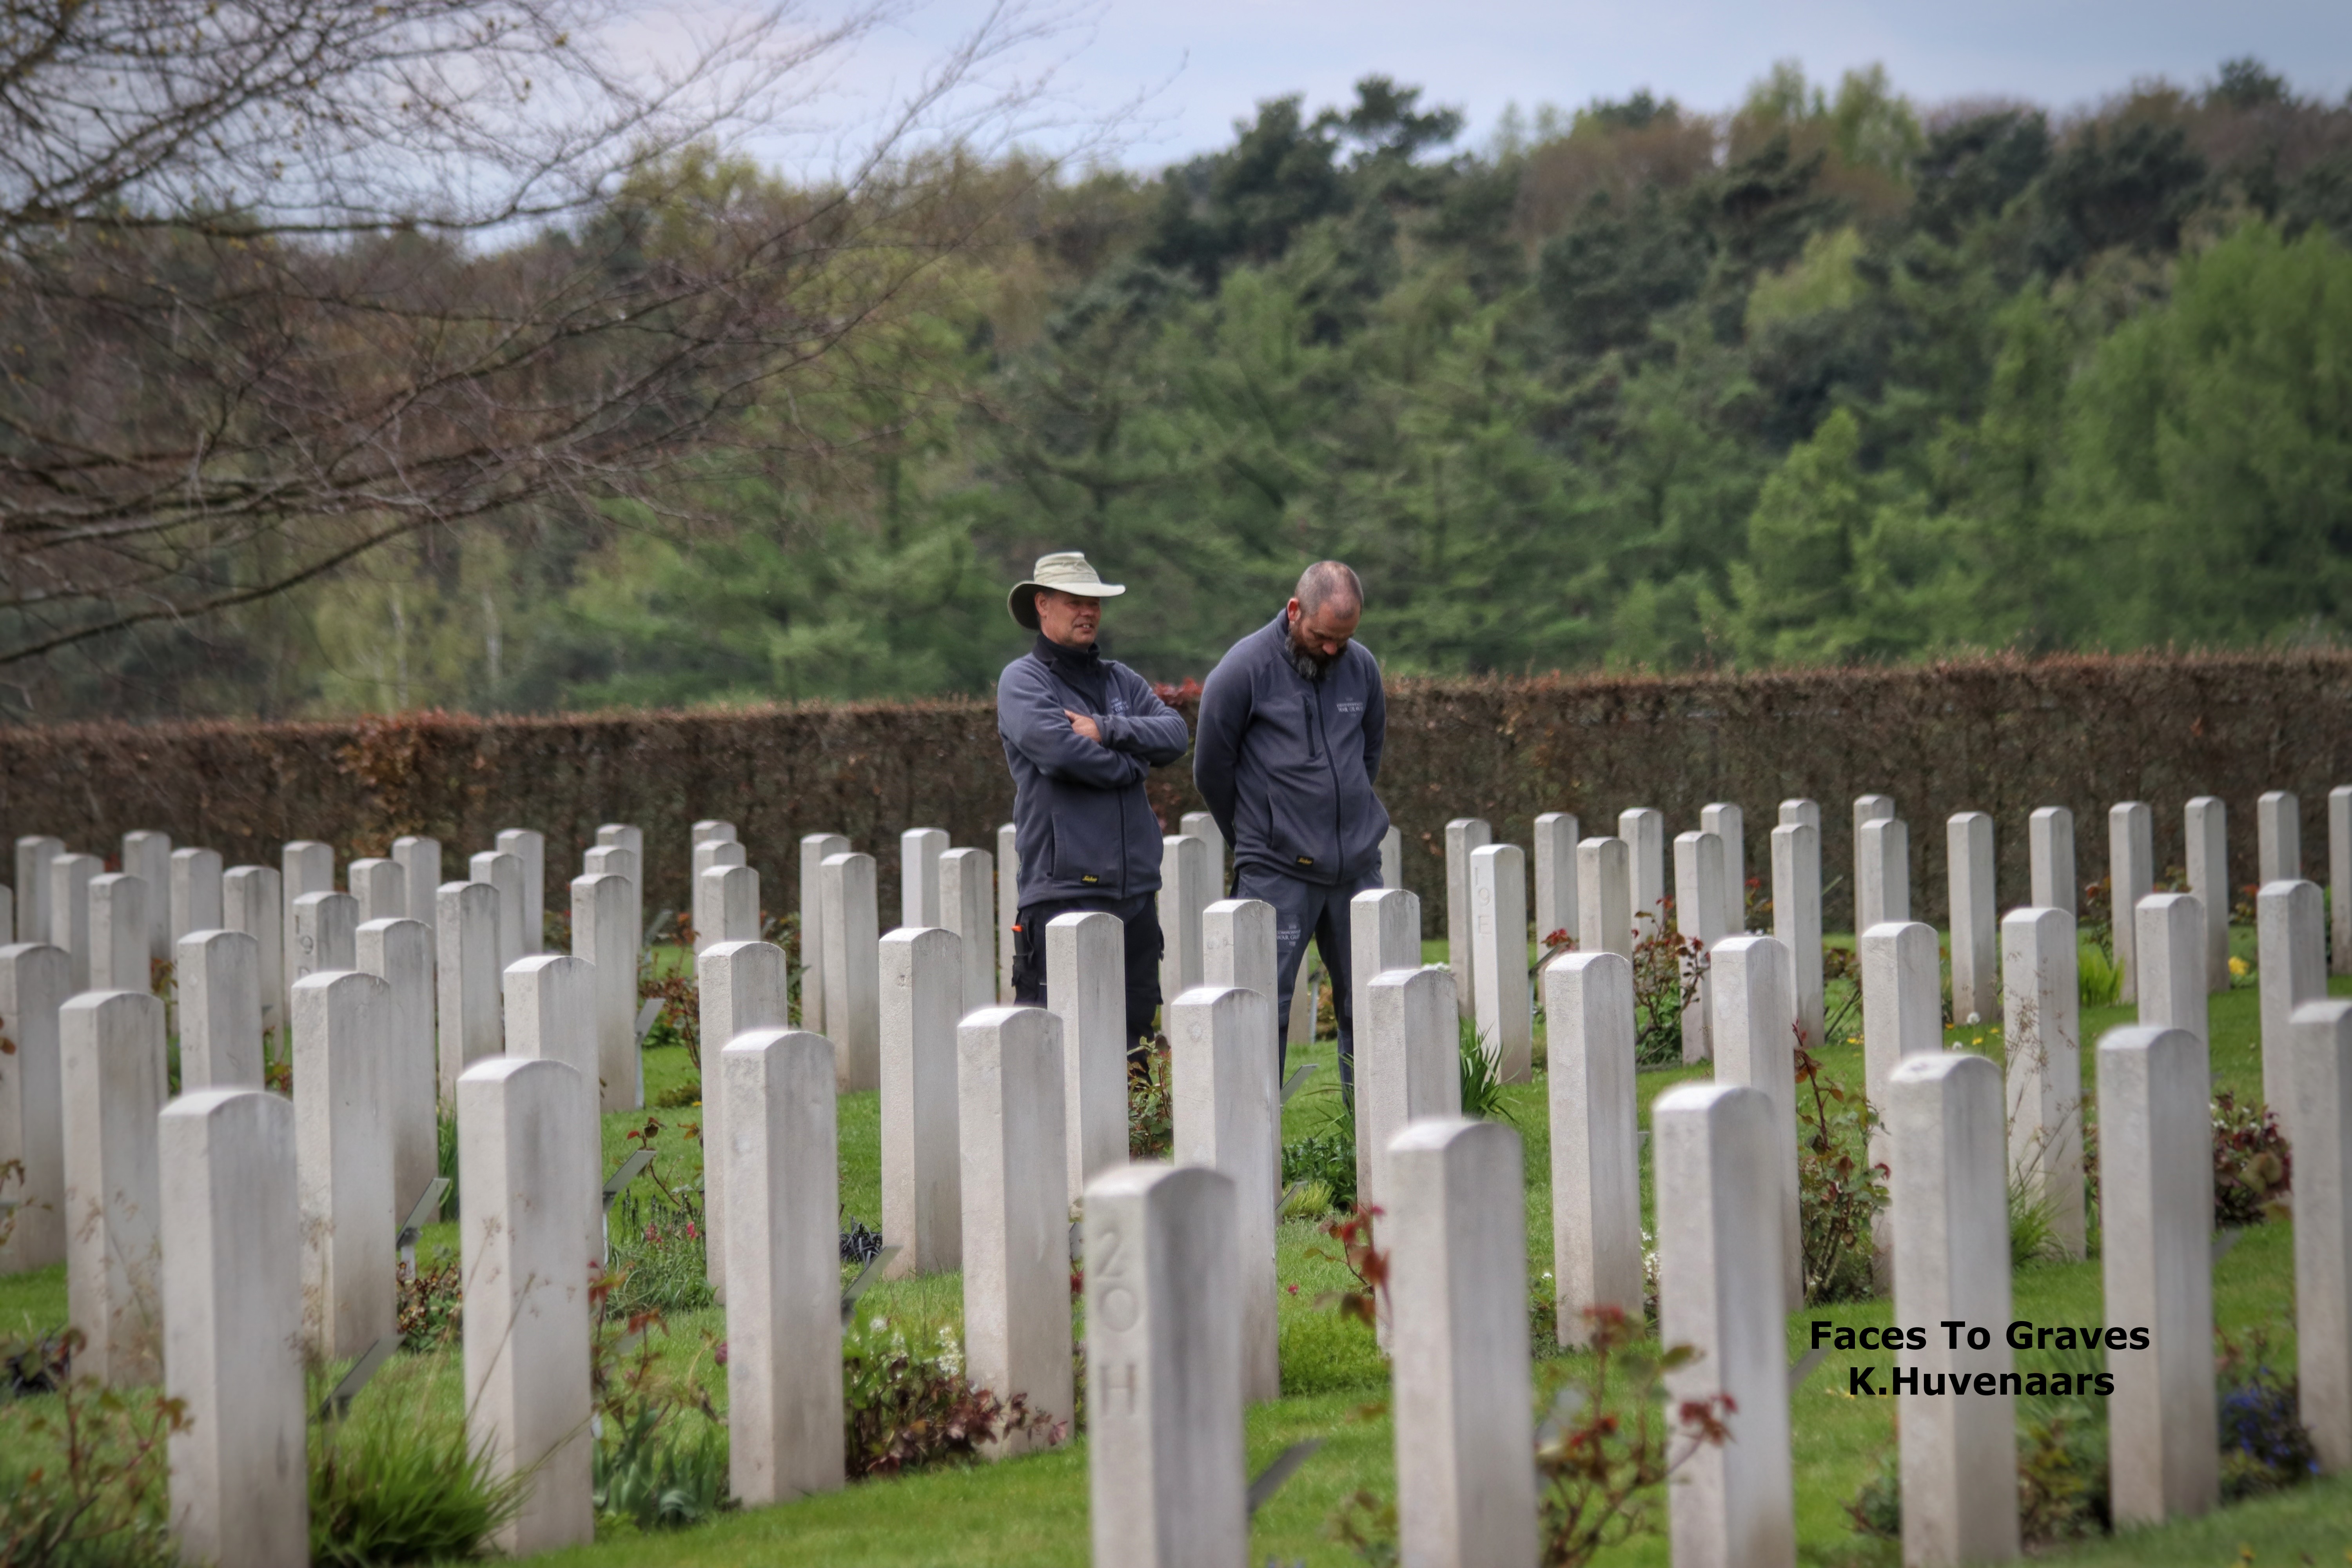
1081	733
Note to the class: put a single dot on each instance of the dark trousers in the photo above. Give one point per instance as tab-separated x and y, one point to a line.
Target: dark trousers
1139	915
1302	909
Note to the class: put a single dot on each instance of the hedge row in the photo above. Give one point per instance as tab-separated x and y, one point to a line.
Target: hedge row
1997	735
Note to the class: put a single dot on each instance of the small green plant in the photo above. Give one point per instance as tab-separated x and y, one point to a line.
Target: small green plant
1325	1159
911	1408
1839	1190
679	1022
1667	970
2099	978
96	1497
431	1307
2253	1171
1360	1255
2032	1231
661	1462
396	1480
1151	1103
1482	1082
2264	1446
659	1258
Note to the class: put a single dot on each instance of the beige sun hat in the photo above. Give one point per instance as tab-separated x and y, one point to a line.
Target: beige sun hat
1065	572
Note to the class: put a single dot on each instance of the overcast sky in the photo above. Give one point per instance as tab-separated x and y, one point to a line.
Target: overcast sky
1201	64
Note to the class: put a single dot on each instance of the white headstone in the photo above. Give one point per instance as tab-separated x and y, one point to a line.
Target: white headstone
399	953
622	836
1644	831
1797	921
1184	897
2169	934
1883	865
709	829
551	1007
467	1000
342	1134
784	1266
2043	1040
1464	836
419	860
1733	1505
922	1179
2049	848
195	896
232	1270
1976	953
147	854
968	907
1016	1213
705	901
1225	1118
729	897
2156	1251
1949	1197
1698	916
1504	1010
1383	933
121	954
502	873
530	847
2322	1088
1237	945
1727	823
1408	1065
1596	1175
326	927
218	973
1008	908
2208	850
307	866
1756	1045
2339	880
2291	967
253	900
381	887
816	849
2131	876
1085	985
35	980
527	1308
920	849
34	853
112	1044
1798	812
853	980
742	986
604	932
1464	1397
1604	892
1164	1448
2278	836
69	879
1202	826
1902	1016
1557	910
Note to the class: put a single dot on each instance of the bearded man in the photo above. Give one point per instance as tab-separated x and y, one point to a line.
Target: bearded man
1287	751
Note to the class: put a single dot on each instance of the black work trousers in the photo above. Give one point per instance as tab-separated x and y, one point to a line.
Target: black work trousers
1141	918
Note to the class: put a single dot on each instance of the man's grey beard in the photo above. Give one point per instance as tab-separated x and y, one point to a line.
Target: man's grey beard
1309	664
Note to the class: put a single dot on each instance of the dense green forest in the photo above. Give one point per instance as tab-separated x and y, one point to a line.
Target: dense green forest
1831	378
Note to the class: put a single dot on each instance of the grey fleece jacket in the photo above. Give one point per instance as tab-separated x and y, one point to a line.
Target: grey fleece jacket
1286	764
1081	822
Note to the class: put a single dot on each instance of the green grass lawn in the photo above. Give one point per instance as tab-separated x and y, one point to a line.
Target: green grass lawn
1033	1510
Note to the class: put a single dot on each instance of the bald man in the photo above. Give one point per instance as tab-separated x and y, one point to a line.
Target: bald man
1285	754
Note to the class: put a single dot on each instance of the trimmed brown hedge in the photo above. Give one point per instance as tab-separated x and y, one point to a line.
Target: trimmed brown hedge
1998	735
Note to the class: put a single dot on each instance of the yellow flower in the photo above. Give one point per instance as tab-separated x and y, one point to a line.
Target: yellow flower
2239	969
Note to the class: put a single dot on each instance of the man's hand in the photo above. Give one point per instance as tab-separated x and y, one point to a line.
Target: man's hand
1083	726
